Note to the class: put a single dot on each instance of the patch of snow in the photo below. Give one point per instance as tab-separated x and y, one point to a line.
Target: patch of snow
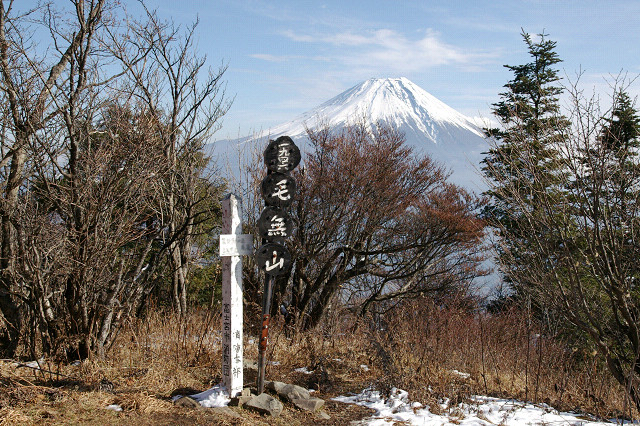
303	370
482	411
461	374
30	364
364	367
217	396
114	407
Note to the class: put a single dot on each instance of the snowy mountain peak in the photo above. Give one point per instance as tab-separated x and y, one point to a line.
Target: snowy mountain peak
429	125
396	101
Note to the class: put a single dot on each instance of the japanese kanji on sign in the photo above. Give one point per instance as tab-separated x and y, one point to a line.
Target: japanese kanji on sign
233	245
274	224
282	155
278	190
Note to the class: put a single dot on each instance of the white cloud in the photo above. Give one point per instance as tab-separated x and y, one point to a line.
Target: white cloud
285	58
270	58
390	51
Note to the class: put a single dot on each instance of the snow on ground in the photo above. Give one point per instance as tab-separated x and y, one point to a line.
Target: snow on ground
31	364
482	411
461	374
114	407
217	396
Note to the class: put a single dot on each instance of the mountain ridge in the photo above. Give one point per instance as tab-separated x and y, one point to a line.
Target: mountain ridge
396	101
430	126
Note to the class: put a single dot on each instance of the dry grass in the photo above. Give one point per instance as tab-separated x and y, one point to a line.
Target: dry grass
158	357
418	349
151	359
503	355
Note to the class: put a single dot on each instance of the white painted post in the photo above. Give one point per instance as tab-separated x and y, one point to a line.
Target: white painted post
232	245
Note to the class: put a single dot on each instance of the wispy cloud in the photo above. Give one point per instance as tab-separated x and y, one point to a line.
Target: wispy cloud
270	58
391	51
285	58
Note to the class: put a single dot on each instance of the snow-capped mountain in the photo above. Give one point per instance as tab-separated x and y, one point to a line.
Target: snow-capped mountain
397	101
430	126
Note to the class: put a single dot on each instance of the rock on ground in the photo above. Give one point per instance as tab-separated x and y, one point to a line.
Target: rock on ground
288	392
308	404
265	404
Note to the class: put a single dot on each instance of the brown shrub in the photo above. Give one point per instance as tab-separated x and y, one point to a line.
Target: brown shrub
419	346
452	352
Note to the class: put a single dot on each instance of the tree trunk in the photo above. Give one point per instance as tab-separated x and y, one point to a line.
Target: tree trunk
627	381
10	314
10	323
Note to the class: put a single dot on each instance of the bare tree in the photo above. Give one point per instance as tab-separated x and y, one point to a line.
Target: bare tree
189	100
30	87
103	189
375	223
584	232
104	208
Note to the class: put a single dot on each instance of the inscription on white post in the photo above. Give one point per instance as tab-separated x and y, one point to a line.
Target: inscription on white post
233	244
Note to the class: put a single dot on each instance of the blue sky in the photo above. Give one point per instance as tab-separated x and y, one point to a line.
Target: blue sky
286	57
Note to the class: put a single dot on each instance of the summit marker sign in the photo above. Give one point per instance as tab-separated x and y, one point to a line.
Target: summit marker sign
233	244
278	191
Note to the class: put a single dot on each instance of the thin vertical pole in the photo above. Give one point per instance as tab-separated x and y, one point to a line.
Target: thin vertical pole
232	348
264	332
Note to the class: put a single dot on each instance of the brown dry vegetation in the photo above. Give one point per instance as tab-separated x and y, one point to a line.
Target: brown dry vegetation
418	348
504	356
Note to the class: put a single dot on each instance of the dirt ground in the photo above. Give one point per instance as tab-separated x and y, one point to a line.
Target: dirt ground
29	396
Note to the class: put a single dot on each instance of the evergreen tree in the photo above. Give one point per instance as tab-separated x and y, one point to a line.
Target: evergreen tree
623	127
566	204
614	205
602	268
611	168
523	160
621	140
614	174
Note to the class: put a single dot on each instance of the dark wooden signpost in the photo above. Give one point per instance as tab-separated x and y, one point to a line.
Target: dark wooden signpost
282	155
274	224
278	191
